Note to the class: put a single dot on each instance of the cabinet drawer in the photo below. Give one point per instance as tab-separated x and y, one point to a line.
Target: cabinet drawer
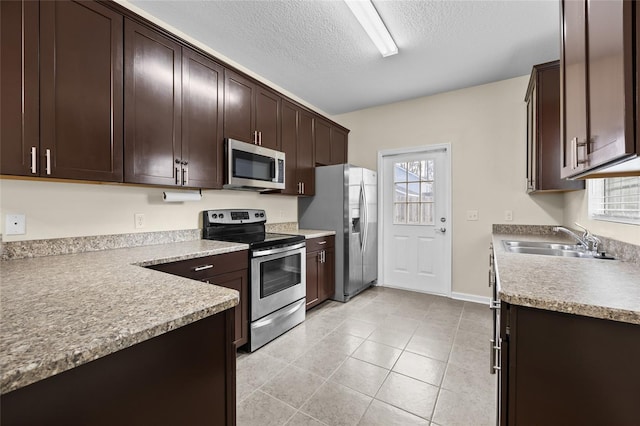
315	244
203	267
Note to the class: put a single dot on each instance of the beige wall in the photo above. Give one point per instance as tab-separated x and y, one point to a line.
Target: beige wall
576	210
55	210
486	128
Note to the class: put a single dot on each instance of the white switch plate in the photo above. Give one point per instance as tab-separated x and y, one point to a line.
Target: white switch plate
472	214
15	224
138	220
508	215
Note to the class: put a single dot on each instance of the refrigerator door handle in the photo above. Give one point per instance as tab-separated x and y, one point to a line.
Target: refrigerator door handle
364	214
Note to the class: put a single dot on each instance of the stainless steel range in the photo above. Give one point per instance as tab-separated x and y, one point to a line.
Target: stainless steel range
277	271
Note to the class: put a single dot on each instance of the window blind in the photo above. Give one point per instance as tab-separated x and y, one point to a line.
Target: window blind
615	199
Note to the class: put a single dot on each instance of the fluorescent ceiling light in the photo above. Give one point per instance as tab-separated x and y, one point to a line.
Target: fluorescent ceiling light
373	25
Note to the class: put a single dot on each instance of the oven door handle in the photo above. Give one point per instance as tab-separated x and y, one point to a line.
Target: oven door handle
270	320
260	253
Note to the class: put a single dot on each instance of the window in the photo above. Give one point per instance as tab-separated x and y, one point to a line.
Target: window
615	199
413	199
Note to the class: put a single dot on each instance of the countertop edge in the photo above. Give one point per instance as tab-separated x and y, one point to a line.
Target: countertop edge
44	365
551	303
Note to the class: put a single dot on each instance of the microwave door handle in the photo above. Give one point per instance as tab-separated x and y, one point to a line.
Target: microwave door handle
274	178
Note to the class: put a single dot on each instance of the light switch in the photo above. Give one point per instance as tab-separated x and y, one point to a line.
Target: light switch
472	214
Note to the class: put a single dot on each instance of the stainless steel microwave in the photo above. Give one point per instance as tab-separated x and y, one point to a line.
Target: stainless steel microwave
253	167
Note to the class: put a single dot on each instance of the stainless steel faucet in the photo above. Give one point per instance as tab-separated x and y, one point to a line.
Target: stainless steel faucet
589	241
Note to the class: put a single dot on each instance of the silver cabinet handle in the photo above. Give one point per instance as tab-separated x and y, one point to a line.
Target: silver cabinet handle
574	153
260	138
185	173
322	242
299	188
202	268
47	154
33	160
492	356
302	183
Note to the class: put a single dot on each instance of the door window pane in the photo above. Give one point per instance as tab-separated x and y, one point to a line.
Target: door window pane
426	217
400	213
414	198
400	194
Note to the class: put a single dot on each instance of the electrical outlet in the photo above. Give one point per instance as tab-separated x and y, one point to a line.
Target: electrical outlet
472	214
138	220
508	215
15	224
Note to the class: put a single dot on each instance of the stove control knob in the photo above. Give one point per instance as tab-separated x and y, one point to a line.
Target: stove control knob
221	215
261	214
257	214
215	215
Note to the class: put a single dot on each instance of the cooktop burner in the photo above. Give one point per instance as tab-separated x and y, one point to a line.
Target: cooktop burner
244	226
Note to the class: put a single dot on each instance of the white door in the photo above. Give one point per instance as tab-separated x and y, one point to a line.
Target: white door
416	230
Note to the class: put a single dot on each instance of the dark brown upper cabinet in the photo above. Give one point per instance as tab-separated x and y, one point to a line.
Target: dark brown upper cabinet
173	116
322	132
80	100
153	107
19	97
598	50
543	131
251	112
338	145
297	143
306	171
330	143
202	120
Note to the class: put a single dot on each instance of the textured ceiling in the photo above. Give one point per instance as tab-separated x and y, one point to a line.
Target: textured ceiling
316	49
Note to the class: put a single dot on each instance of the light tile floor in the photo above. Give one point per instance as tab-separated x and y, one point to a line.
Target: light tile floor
387	357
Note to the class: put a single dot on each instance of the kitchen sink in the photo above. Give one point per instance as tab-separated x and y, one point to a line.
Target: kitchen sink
547	249
539	244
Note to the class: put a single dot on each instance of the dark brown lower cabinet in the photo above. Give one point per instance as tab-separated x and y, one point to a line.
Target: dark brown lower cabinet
320	277
183	377
563	369
228	270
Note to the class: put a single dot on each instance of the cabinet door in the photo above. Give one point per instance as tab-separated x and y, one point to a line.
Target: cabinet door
239	106
531	137
289	145
326	275
610	81
543	137
312	278
80	91
322	132
237	280
19	96
306	160
268	118
152	107
338	146
573	85
202	114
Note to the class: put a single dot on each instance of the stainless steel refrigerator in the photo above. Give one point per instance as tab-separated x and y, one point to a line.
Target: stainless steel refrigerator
346	202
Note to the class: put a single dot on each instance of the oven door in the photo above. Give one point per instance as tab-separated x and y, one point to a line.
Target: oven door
277	278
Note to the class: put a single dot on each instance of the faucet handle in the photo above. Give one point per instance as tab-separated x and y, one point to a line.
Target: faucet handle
585	232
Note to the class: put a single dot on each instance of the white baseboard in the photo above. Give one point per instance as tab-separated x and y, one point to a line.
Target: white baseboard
470	298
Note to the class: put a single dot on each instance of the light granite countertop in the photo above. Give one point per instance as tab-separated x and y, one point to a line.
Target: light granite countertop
59	312
608	289
314	233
